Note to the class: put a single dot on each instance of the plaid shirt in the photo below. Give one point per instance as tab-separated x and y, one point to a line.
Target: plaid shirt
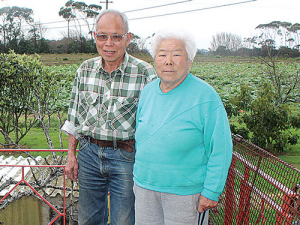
104	105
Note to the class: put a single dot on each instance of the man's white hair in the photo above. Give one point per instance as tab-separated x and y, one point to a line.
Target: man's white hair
114	12
182	35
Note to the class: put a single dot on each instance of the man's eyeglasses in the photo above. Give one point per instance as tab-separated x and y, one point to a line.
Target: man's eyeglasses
114	38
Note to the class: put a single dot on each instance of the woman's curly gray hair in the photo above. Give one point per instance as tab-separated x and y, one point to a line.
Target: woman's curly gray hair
182	35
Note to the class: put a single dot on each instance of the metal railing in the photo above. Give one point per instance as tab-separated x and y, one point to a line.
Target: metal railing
260	189
23	182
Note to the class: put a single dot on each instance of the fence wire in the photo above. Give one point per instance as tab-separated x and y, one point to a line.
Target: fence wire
260	189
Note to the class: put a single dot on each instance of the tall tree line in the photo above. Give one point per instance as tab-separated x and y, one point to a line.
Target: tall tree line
19	31
283	38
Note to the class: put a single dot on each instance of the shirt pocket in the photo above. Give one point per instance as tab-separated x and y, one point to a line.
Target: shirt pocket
88	108
124	113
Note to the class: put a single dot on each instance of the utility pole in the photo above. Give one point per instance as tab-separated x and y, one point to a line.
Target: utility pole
106	1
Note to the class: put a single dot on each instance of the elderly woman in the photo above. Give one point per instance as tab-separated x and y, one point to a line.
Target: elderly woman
183	140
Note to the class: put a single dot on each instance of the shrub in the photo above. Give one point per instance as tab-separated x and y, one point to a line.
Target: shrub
29	91
266	119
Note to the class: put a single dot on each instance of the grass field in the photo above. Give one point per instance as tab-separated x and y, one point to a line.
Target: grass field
63	59
224	74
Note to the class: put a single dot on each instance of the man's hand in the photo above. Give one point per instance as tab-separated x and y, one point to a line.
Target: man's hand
205	204
72	163
72	168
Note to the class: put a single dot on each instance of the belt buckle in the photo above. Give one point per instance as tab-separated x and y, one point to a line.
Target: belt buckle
115	145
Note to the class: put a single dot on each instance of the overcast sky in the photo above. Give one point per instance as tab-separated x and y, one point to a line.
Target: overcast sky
209	18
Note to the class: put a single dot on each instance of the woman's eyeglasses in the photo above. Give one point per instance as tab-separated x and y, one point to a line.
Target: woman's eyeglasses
114	38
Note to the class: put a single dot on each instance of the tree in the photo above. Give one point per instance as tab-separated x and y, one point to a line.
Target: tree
26	47
44	46
12	21
268	120
40	29
17	76
295	29
77	11
281	33
286	82
67	14
286	52
222	50
36	34
29	93
229	41
4	25
137	45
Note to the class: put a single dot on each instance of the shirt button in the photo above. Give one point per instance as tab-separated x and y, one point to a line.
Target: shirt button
85	128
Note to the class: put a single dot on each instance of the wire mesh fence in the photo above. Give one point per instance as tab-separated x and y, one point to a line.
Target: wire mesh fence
260	189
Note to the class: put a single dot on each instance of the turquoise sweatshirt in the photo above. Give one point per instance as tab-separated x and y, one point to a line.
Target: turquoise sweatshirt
183	140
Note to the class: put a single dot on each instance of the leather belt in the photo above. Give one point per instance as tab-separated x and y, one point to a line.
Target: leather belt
127	145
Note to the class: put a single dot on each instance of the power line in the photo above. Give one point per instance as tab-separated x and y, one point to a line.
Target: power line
49	23
193	10
49	28
134	10
63	21
152	7
166	14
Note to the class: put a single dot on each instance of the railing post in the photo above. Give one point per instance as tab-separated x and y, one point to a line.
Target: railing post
244	196
229	194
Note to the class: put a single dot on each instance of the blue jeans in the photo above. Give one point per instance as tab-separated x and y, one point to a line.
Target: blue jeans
103	170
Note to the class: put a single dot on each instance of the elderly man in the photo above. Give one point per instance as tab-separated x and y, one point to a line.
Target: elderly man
101	118
183	139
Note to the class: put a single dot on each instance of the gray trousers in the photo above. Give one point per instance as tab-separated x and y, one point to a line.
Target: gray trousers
157	208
